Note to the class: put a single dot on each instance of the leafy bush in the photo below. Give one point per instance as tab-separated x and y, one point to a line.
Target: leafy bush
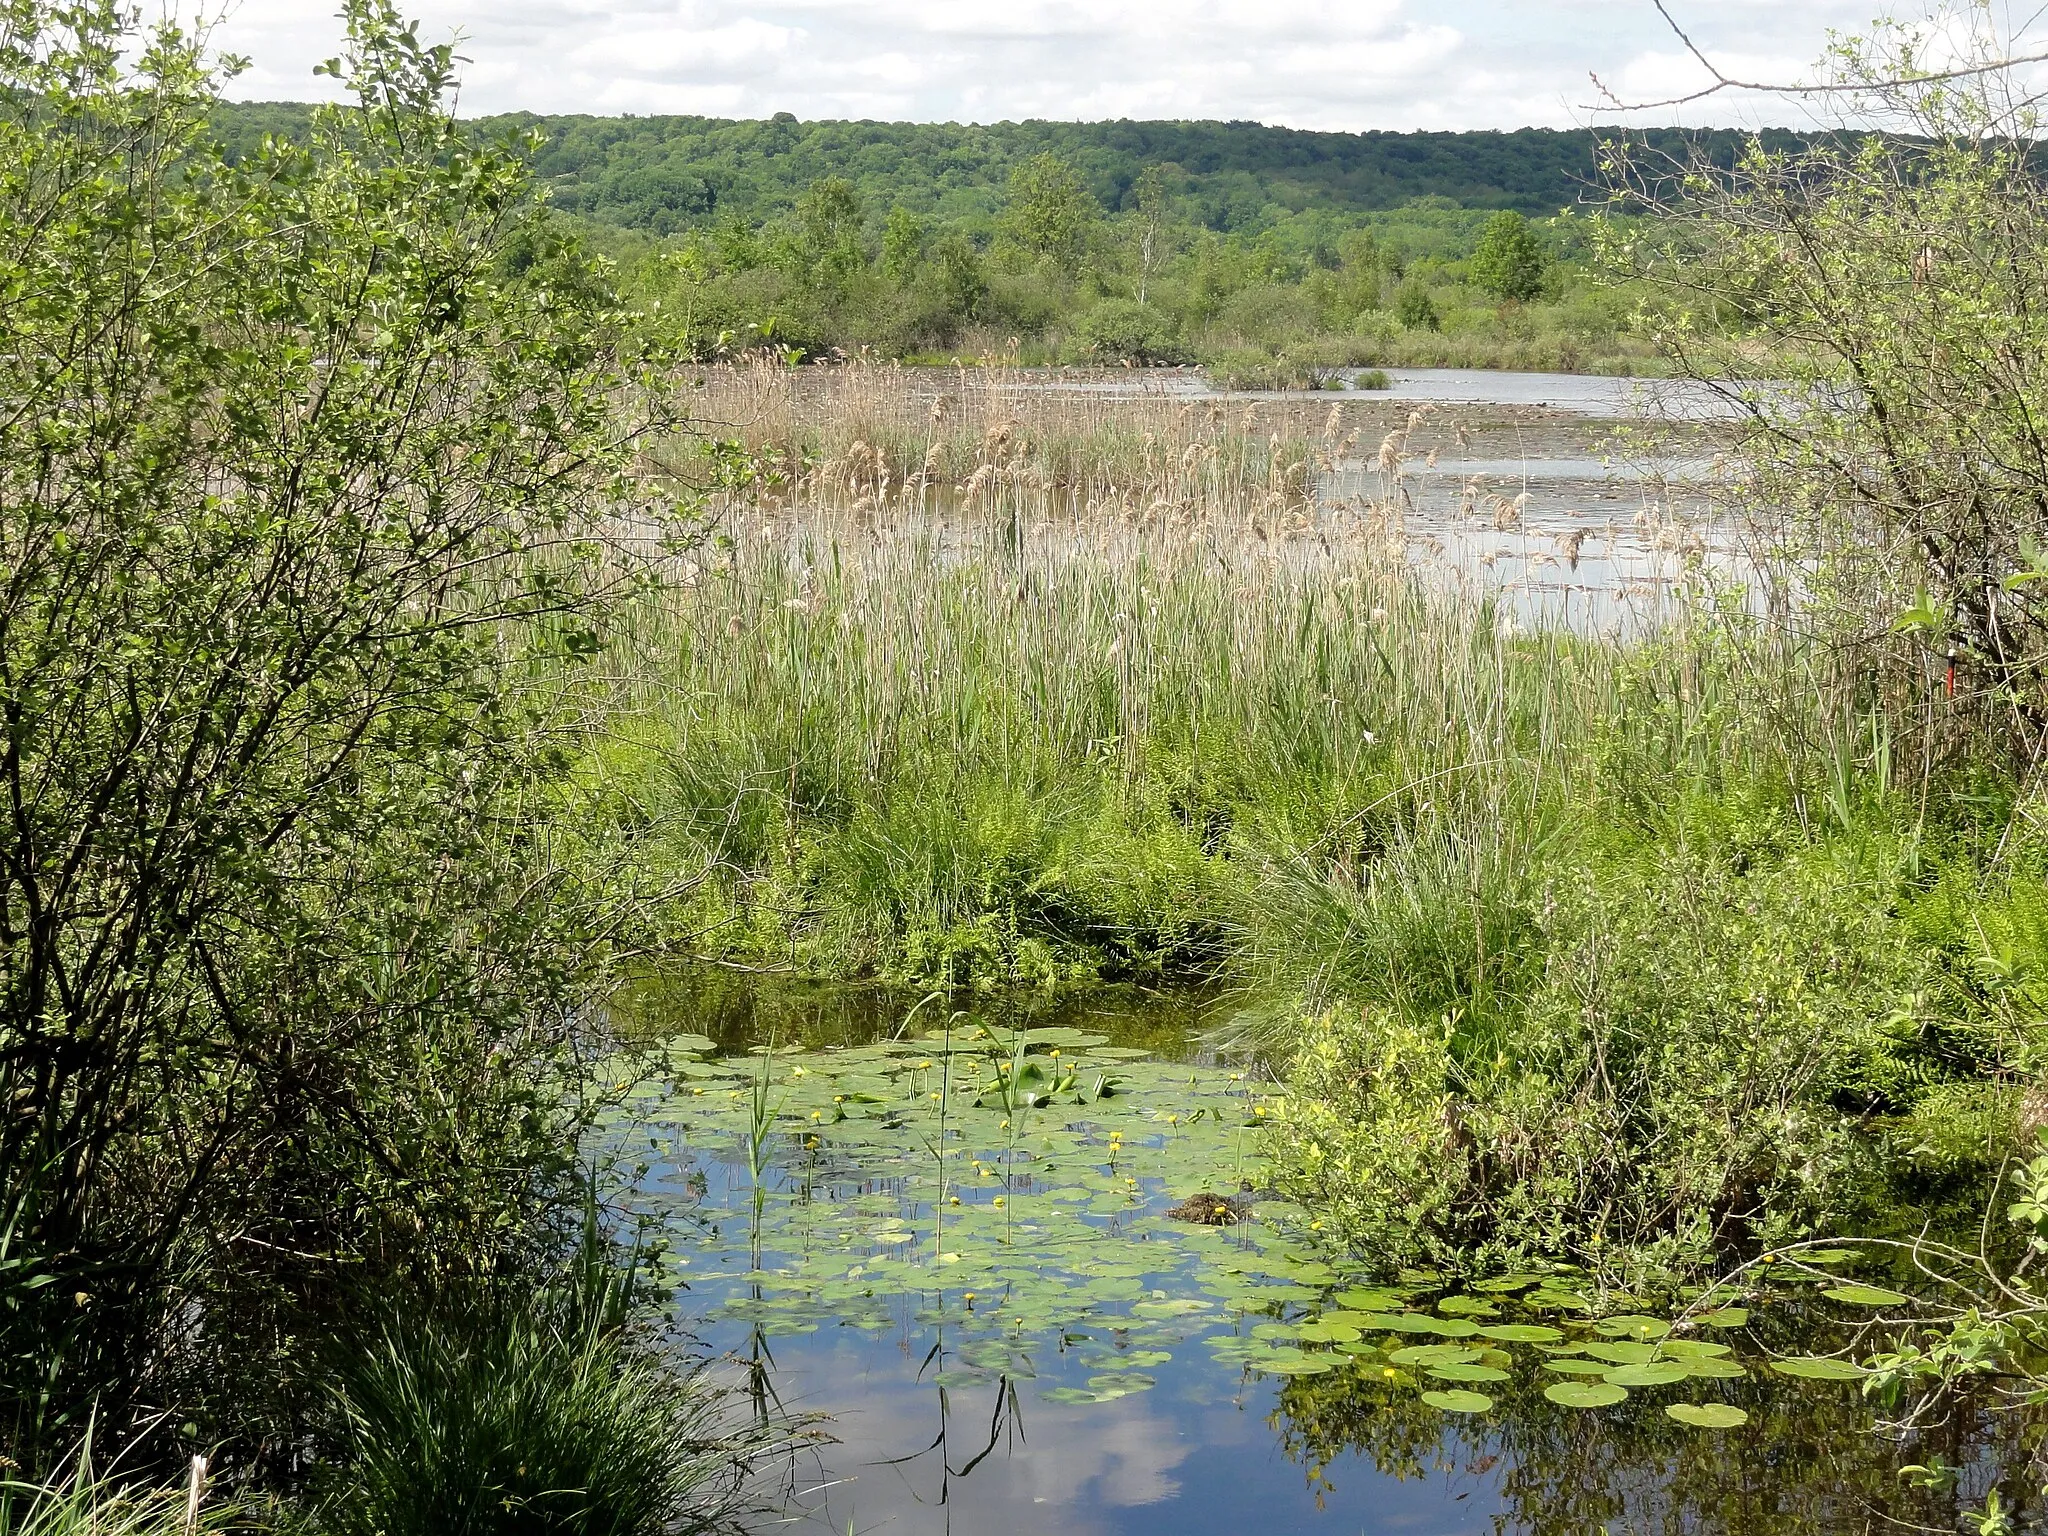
1414	308
1122	330
1508	262
301	468
1655	1085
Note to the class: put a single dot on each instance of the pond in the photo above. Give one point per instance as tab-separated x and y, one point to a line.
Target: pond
960	1238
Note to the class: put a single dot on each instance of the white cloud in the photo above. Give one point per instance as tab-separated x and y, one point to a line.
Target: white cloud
1344	64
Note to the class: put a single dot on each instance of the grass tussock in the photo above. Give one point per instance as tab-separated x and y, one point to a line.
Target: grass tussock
502	1410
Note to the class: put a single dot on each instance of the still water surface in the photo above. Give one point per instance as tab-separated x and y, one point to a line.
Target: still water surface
1064	1358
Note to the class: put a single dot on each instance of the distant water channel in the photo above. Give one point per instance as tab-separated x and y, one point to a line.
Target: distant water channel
1005	1334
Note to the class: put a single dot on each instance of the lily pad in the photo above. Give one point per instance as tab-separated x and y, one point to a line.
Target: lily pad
1657	1373
1572	1366
1623	1354
1708	1415
1115	1384
1467	1306
1069	1395
1433	1354
1452	1401
1328	1333
1451	1327
1368	1301
1865	1295
1297	1363
1724	1317
1467	1372
1630	1326
1828	1255
1398	1322
1521	1333
1585	1394
1819	1368
1707	1368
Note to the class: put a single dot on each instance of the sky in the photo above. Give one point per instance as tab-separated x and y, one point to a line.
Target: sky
1327	64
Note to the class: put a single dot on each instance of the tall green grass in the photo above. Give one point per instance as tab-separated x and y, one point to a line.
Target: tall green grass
1574	944
1025	750
498	1410
87	1497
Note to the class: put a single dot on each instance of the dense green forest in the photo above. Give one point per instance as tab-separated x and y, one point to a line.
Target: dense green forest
665	174
1273	255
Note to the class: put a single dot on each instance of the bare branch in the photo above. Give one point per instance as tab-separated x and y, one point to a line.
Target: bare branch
1724	82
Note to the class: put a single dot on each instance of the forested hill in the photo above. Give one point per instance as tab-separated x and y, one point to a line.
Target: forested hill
664	174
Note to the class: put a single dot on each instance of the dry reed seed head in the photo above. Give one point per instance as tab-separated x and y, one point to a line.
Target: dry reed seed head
1430	462
1333	424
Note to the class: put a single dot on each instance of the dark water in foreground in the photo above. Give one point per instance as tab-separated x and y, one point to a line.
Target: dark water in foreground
1007	1335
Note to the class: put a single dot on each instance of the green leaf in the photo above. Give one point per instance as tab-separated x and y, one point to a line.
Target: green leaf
1585	1394
1572	1366
1068	1395
1623	1354
1451	1401
1819	1368
1521	1333
1467	1372
1632	1327
1724	1317
1657	1373
1433	1354
1707	1415
1329	1333
1706	1368
1467	1306
1865	1295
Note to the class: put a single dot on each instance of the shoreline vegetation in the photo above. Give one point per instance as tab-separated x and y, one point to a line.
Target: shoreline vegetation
1003	693
434	612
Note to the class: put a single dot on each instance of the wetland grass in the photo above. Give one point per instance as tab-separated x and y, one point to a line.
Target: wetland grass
1607	928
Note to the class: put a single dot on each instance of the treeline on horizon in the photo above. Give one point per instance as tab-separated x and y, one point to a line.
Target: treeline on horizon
1274	257
664	175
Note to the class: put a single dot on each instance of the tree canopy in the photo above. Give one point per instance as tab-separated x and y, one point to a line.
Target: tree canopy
666	174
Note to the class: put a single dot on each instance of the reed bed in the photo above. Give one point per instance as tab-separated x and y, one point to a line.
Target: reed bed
881	438
1061	730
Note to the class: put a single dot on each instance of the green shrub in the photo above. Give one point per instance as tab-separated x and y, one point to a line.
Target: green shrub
1509	262
1414	308
1655	1083
1123	330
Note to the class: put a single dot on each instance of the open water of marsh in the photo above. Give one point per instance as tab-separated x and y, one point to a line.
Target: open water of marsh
948	1235
1576	501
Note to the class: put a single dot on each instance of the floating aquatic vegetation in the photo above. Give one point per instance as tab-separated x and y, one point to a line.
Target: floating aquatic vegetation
1013	1195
